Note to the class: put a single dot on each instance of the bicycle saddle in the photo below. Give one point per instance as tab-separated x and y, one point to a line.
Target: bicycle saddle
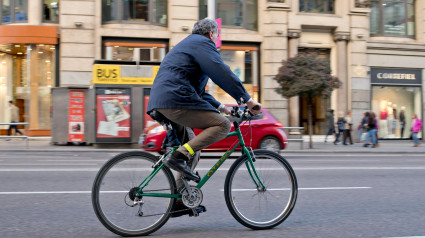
157	116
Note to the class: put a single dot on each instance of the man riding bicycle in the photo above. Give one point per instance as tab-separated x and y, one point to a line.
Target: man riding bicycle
178	93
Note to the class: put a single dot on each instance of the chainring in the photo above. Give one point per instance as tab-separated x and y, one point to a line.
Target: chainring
192	199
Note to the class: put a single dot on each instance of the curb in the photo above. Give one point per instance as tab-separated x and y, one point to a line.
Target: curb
217	154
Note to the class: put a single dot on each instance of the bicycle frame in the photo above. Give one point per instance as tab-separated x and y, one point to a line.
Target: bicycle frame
249	164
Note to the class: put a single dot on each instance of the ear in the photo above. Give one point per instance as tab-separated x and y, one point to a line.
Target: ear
211	34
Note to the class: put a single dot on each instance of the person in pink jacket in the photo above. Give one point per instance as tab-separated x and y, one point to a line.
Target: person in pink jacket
416	128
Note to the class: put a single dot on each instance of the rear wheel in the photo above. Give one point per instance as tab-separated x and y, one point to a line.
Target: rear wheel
252	206
114	200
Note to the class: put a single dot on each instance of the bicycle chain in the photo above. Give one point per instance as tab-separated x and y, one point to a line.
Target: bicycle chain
166	213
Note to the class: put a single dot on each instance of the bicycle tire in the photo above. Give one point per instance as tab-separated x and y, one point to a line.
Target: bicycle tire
256	209
111	200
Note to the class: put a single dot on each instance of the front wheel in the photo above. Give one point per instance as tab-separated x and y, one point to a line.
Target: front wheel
114	189
248	202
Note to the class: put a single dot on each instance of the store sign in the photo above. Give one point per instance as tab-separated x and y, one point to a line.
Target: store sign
218	44
76	116
124	74
113	113
395	76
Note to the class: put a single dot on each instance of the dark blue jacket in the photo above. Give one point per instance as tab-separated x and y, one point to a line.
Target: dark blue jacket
183	75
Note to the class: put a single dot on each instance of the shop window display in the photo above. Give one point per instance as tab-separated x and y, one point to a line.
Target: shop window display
394	108
27	74
243	61
131	51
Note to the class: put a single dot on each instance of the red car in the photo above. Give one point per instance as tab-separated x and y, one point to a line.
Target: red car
268	134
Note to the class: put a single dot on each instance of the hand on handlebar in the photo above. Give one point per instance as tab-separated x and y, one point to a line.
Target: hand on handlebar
227	110
254	107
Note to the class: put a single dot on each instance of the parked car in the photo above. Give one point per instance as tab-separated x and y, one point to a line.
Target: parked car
267	134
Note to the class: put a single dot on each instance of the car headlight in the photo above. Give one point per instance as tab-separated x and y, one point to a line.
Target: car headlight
156	130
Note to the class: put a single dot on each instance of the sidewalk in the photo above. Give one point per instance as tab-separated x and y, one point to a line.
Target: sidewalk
42	144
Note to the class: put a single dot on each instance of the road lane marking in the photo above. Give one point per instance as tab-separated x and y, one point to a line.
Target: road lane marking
287	189
407	237
44	164
204	169
57	192
72	160
238	190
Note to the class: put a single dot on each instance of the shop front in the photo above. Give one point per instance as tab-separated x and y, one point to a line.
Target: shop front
396	97
28	65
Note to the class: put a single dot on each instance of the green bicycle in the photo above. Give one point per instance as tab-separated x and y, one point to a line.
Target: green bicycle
134	193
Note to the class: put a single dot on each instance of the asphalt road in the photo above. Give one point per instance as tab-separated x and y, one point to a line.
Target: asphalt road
47	194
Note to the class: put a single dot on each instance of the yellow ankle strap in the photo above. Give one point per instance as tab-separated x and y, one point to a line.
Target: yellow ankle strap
188	148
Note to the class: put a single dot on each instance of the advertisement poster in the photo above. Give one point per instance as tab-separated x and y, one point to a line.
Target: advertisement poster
148	120
113	113
76	116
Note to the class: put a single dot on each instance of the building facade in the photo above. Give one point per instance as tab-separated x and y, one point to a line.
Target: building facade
376	48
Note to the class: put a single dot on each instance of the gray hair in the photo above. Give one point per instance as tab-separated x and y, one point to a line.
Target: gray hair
204	26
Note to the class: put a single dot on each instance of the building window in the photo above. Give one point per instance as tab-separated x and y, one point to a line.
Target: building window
50	11
244	63
239	13
317	6
132	11
127	51
392	18
14	11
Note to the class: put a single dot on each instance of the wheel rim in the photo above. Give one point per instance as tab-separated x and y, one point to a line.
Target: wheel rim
270	144
262	209
113	199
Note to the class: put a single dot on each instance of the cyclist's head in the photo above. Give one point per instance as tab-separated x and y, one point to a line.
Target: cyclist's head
206	27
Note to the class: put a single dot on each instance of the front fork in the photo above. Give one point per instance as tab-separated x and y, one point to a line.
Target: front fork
251	169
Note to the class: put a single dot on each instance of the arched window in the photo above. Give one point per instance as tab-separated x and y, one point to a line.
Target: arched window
392	18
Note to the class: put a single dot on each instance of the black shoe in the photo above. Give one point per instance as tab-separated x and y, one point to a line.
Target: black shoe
178	162
180	210
345	144
365	145
373	146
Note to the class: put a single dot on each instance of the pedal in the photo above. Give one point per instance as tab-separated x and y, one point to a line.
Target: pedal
194	212
197	210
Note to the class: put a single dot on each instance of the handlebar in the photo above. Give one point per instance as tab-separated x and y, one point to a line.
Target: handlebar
245	114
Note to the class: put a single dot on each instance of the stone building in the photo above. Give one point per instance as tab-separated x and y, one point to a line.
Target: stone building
376	48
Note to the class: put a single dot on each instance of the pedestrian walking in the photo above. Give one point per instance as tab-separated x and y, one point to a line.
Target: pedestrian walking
376	128
348	128
330	121
340	126
14	112
416	128
360	127
371	131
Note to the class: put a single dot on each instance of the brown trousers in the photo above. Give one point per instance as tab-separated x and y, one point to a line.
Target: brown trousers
215	127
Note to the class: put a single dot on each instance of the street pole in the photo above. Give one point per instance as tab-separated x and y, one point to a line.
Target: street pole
211	15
